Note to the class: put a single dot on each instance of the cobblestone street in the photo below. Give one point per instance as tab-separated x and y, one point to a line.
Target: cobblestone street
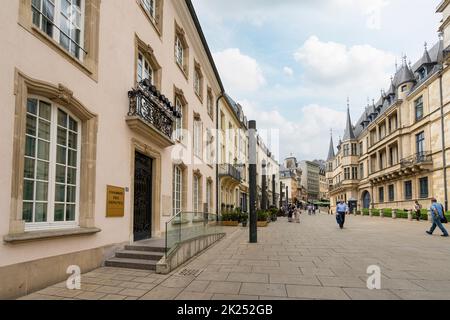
311	260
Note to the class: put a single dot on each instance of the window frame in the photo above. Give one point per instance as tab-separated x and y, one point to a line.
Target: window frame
418	105
57	29
408	187
91	25
391	192
424	194
175	192
51	191
24	87
381	194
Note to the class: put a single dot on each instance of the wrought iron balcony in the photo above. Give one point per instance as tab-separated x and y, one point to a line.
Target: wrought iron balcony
417	159
228	170
151	113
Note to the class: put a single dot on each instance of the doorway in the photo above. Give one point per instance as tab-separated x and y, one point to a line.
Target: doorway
142	222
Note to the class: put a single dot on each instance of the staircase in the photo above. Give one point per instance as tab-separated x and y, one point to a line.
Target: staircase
140	256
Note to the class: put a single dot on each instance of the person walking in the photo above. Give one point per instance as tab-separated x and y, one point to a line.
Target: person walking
417	210
438	217
341	211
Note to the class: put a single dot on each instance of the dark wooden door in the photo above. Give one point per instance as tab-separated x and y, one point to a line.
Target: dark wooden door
142	197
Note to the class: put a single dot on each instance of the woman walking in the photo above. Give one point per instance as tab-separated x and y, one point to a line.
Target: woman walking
417	210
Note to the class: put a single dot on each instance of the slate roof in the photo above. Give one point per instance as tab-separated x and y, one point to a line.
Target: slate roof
432	59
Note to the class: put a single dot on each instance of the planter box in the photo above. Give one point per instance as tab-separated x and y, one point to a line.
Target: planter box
262	224
230	223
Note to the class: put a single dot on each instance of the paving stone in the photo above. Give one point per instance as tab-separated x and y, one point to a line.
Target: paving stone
249	277
213	276
277	290
294	279
315	292
188	295
342	282
198	286
162	293
366	294
223	287
129	285
177	281
109	289
90	295
231	297
113	297
317	272
133	292
422	295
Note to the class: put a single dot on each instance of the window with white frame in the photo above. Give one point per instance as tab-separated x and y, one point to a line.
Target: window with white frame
177	190
150	8
144	69
63	21
197	81
179	51
198	138
197	193
51	167
179	121
209	195
210	103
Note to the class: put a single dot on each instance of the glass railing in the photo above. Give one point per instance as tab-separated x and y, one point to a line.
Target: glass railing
190	225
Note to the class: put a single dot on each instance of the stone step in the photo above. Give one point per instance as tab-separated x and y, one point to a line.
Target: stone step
137	264
145	248
139	255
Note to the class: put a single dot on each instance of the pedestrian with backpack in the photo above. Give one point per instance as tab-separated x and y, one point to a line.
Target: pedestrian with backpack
438	218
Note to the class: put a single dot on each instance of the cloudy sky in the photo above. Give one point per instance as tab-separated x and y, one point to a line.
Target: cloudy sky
292	63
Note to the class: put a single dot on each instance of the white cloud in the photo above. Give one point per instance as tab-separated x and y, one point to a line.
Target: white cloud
288	71
306	137
333	69
240	73
372	9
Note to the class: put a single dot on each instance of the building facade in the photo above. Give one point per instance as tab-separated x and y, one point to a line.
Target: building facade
105	135
398	150
311	179
290	177
233	153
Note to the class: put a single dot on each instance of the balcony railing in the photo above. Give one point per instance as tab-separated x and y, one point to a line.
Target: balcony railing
417	159
150	106
228	170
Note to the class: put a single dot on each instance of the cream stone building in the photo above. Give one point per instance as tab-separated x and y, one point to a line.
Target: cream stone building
106	132
290	177
267	165
398	151
233	150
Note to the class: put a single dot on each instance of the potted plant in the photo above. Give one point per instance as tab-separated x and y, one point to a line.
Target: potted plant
273	214
262	218
230	219
244	219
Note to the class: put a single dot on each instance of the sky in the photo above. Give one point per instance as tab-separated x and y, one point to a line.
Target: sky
292	64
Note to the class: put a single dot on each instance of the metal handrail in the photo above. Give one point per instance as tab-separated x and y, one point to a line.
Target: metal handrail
417	158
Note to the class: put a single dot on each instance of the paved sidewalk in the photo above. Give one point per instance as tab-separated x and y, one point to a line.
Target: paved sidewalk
311	260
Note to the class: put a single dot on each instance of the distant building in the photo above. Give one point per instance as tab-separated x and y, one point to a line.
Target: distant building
310	179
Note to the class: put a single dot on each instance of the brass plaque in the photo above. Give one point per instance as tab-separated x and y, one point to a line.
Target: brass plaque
115	202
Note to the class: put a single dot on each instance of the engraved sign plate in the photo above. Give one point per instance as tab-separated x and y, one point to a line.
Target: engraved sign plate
115	202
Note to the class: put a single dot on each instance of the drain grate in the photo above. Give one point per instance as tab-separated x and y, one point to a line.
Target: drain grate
190	272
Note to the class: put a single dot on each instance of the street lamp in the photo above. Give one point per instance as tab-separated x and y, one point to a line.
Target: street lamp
264	186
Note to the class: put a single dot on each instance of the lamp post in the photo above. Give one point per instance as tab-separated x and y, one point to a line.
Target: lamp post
287	196
281	194
274	201
264	186
252	181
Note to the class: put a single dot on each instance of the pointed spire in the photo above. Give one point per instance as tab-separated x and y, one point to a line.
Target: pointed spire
349	133
331	153
425	58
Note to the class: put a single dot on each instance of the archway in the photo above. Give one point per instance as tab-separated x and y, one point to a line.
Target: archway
366	200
